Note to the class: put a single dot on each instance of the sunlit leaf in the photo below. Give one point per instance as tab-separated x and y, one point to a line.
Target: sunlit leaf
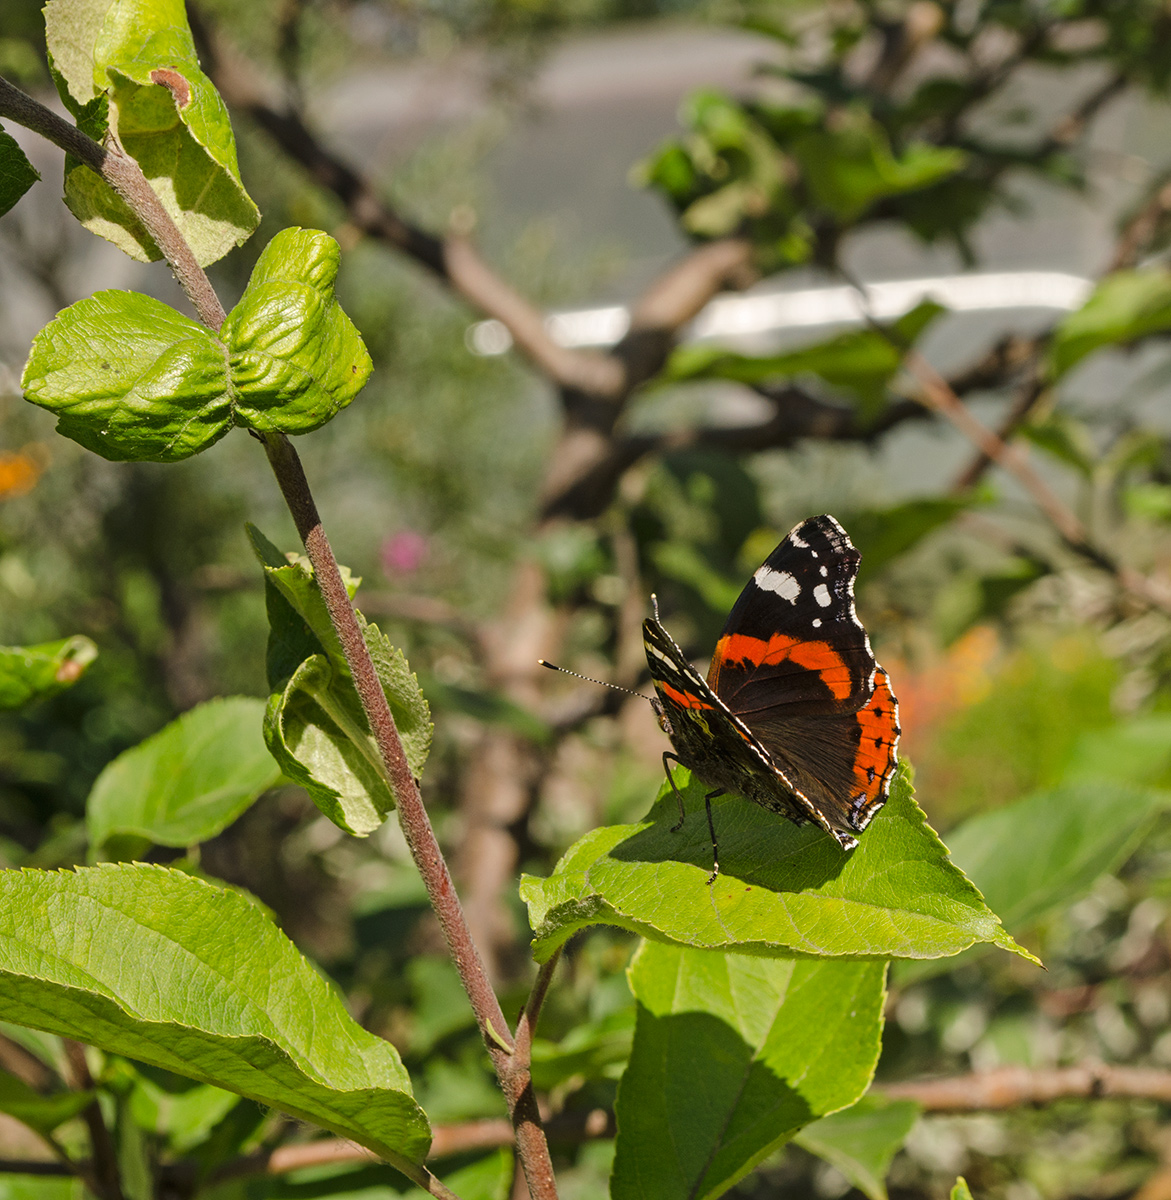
169	970
131	65
296	358
130	378
781	888
1124	307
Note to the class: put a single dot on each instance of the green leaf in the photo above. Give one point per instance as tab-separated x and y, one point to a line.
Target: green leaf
1124	306
488	1178
28	673
41	1187
732	1055
42	1113
298	621
189	781
169	970
130	379
1138	751
1066	439
882	534
1033	857
848	170
314	726
961	1190
591	1050
140	59
296	358
861	1141
685	564
317	732
861	362
17	174
781	888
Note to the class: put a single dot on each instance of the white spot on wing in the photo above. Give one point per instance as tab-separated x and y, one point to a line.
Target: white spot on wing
816	622
797	540
822	596
824	572
780	582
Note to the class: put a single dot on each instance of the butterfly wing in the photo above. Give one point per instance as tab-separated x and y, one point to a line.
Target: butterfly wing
842	763
795	665
793	641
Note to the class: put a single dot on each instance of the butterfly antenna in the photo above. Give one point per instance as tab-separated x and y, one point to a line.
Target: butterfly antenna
655	605
599	682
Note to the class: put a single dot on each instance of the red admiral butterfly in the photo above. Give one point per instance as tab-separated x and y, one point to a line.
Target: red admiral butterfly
795	713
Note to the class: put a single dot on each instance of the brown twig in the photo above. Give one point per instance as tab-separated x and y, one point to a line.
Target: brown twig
38	1166
1010	1087
106	1177
937	395
566	1128
1027	399
25	1065
1142	228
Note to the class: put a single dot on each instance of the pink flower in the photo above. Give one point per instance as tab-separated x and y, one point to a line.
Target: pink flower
403	553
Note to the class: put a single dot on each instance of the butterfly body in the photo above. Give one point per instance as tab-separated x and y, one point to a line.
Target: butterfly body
795	714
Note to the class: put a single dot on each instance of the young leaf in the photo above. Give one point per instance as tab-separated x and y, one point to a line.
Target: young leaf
860	1141
781	888
140	60
169	970
17	174
732	1055
28	673
189	781
42	1113
961	1190
296	358
130	379
316	730
1124	306
315	726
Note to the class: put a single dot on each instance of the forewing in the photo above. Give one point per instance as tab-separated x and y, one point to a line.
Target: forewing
793	645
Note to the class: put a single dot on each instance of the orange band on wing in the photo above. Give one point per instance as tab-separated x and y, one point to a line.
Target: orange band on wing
683	699
814	656
874	760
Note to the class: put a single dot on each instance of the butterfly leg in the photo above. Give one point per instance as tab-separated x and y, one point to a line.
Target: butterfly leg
678	794
711	828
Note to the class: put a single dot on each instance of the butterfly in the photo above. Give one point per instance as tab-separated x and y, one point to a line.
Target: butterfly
795	714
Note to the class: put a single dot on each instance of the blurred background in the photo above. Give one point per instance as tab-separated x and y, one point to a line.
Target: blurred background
618	265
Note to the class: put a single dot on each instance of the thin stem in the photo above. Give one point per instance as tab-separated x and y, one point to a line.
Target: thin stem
106	1177
124	175
938	395
416	825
